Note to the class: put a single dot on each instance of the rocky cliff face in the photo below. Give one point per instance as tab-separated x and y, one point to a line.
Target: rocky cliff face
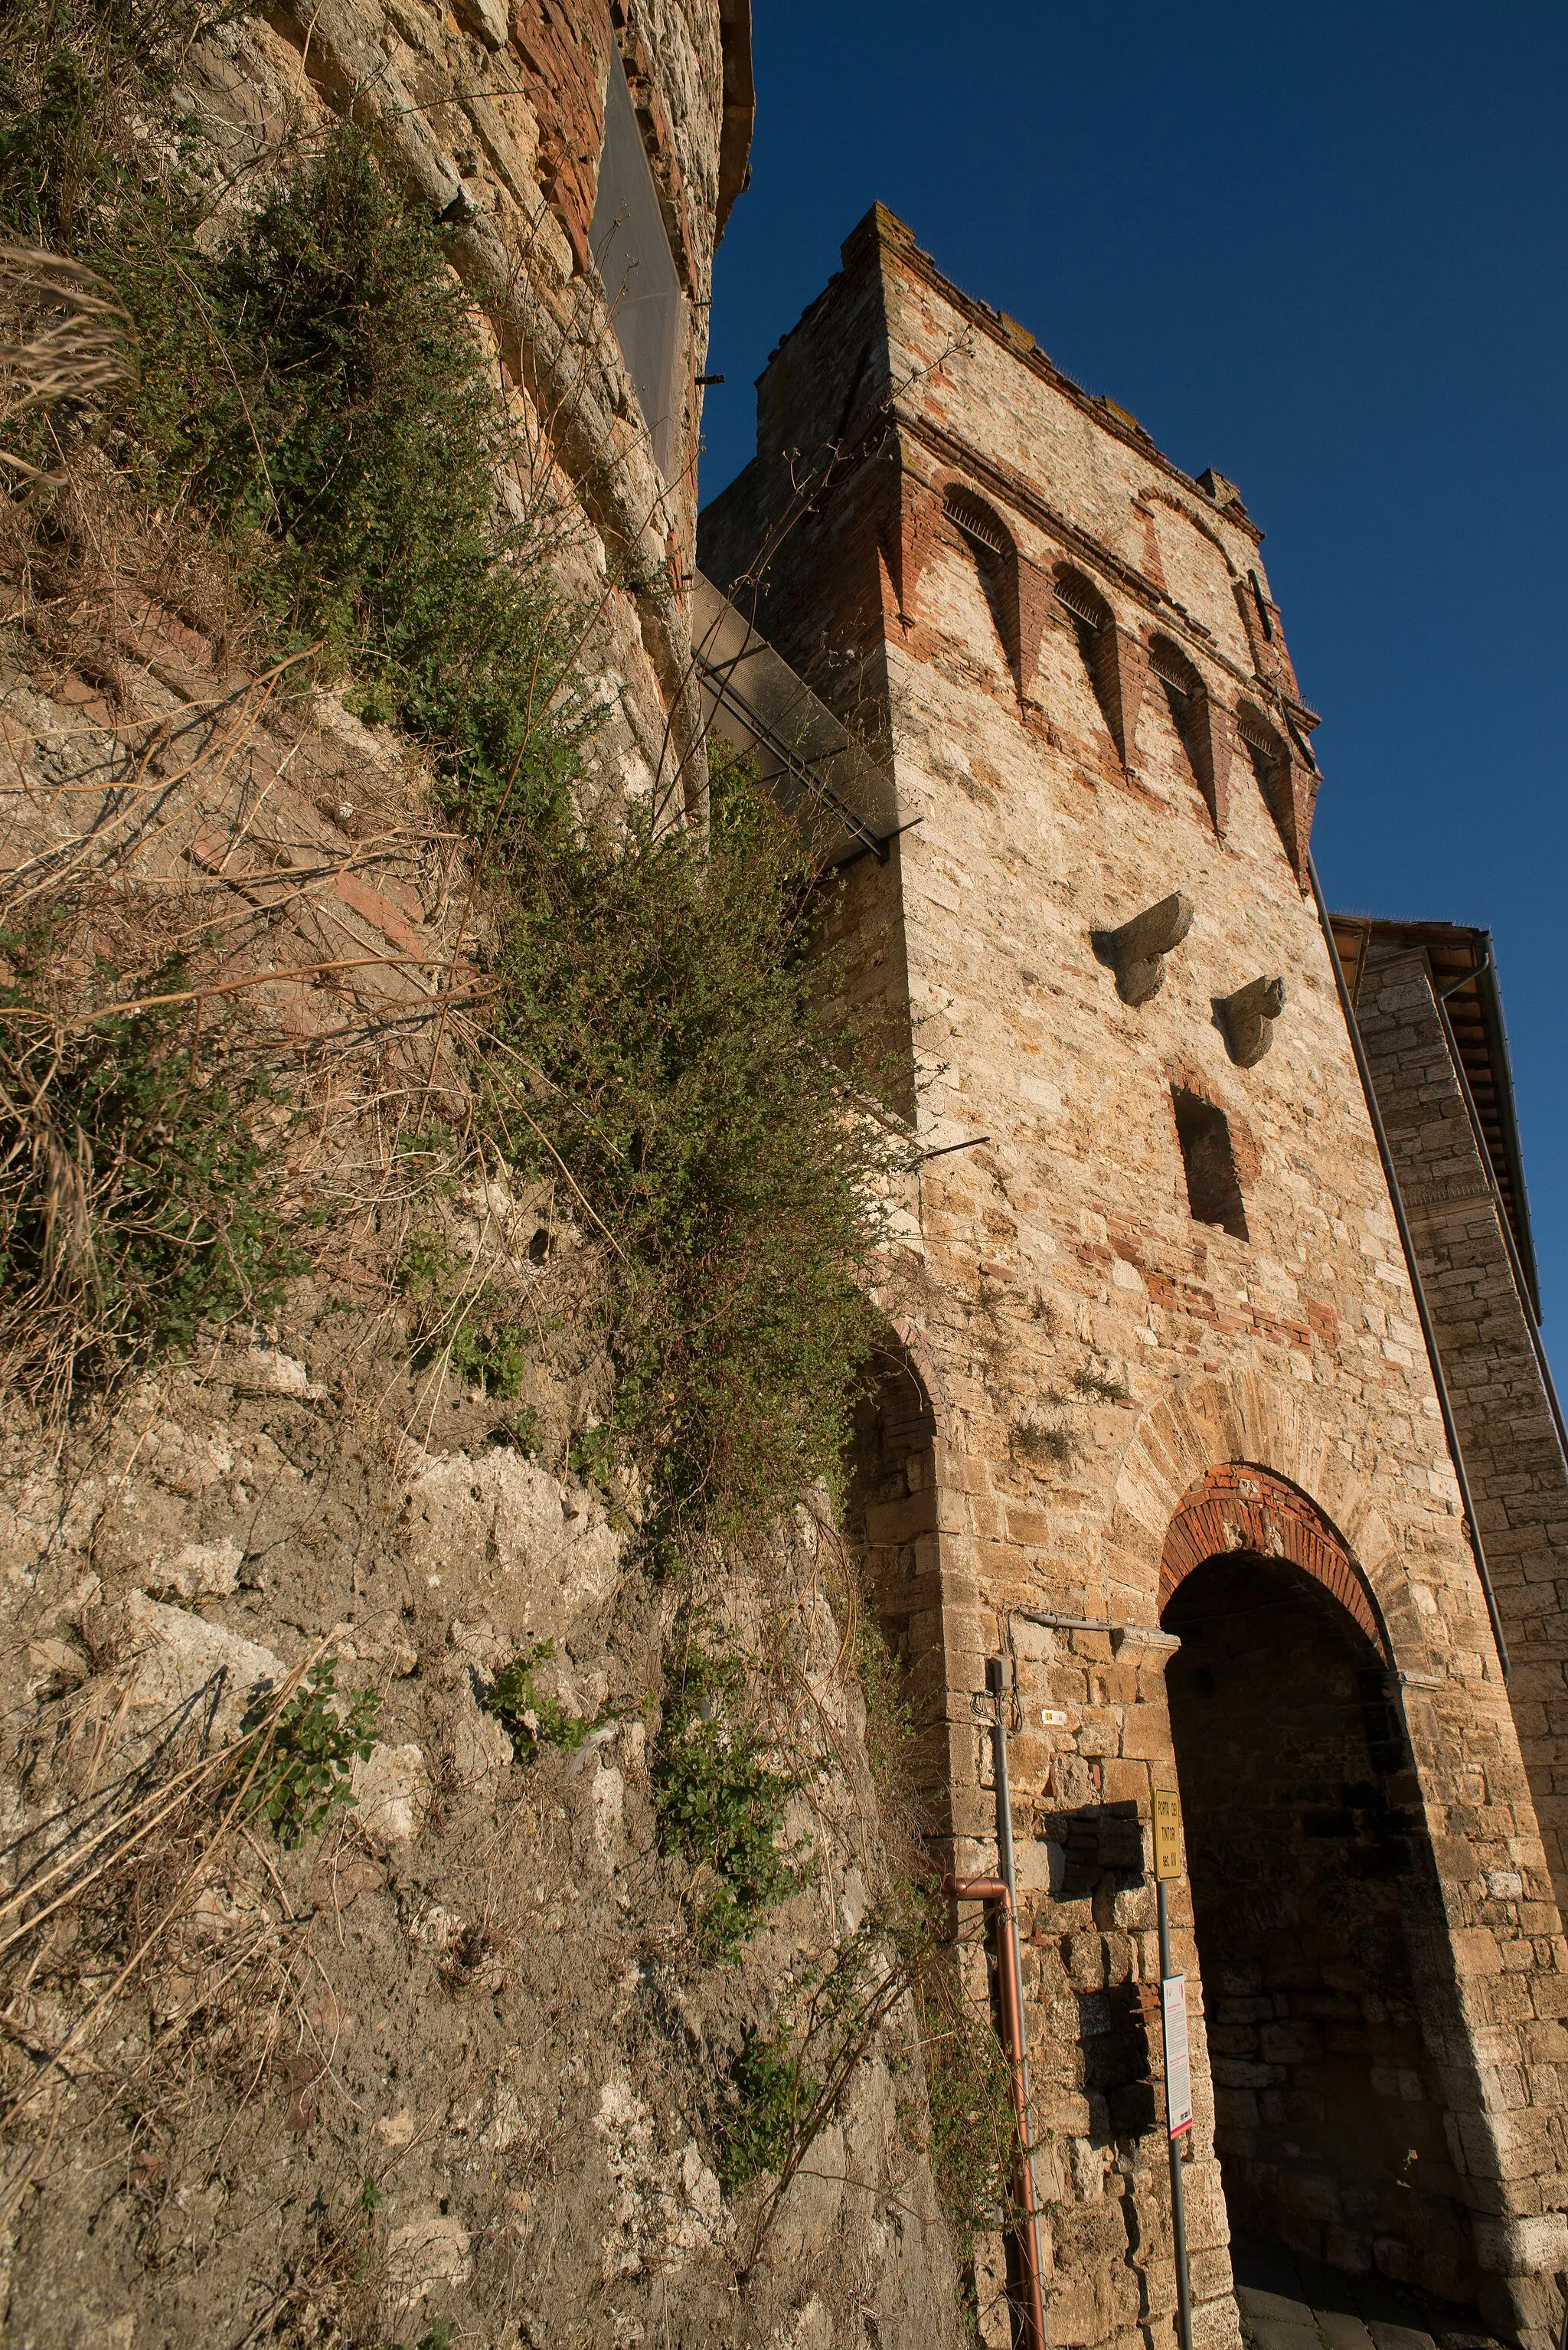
462	2058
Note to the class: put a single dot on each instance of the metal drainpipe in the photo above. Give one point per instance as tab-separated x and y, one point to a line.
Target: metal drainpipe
1408	1246
1009	1975
996	1682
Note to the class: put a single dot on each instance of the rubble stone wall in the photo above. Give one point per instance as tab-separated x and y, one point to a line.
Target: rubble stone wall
454	2059
496	122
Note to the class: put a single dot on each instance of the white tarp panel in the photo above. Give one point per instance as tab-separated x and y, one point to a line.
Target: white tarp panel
635	261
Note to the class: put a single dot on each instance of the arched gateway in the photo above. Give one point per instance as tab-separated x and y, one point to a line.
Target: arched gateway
1314	1895
1317	1660
1242	1508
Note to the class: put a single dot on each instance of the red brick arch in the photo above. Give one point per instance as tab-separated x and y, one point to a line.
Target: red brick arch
1240	1507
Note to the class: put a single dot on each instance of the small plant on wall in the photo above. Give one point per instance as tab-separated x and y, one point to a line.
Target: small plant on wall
137	1199
295	1768
531	1721
720	1798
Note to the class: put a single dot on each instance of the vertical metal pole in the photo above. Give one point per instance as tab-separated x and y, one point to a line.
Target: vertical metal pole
995	1679
1004	1849
1027	2237
1177	2203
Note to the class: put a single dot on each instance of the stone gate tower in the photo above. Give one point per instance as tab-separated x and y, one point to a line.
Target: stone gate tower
1157	1423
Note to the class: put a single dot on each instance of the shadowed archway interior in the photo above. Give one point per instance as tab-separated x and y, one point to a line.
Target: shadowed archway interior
1312	1883
891	1524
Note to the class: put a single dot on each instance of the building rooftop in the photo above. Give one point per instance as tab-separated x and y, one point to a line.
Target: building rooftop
1464	974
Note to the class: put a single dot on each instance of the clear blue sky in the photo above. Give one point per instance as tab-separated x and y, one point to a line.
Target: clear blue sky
1320	248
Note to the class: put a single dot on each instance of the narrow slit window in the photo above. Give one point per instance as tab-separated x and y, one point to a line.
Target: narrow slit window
1262	609
1081	606
977	525
1182	688
1213	1187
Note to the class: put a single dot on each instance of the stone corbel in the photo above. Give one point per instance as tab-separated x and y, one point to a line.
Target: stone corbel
1136	951
1146	1637
1247	1017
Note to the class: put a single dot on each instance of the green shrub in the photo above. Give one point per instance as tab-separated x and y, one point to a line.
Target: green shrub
136	1203
883	1682
591	1455
494	1360
315	399
529	1719
331	408
771	2094
526	1431
974	2136
721	1801
969	2131
486	1349
427	1265
303	1778
472	1329
691	1078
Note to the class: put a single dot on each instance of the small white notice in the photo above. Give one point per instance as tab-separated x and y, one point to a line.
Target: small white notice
1177	2071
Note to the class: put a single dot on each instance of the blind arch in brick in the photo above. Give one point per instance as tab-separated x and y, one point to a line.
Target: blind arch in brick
1238	1507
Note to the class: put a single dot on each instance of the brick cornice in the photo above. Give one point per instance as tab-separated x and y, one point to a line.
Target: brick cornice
1015	490
1238	1507
884	439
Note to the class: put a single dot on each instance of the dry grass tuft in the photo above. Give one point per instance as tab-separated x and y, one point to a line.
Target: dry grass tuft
147	1943
65	337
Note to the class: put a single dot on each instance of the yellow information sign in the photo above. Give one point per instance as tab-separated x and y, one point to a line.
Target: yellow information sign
1167	1833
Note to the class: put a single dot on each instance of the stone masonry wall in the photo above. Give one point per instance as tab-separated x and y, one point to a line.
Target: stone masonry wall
1091	1349
496	120
1512	1458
